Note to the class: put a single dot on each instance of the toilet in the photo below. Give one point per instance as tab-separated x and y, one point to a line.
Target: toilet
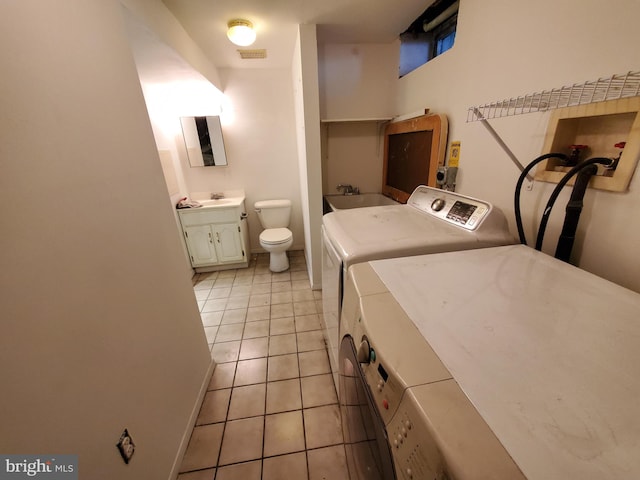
276	238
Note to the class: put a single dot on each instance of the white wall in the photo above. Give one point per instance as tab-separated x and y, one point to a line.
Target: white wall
304	79
100	328
353	153
259	136
505	49
357	81
170	31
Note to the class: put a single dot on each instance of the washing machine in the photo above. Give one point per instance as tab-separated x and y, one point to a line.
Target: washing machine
432	221
388	373
499	363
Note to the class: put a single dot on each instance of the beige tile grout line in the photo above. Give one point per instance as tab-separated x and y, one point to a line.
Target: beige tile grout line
304	430
266	381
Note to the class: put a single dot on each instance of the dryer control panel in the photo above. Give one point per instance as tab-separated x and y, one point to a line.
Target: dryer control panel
433	417
414	448
456	209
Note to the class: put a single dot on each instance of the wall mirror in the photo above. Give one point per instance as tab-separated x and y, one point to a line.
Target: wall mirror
203	140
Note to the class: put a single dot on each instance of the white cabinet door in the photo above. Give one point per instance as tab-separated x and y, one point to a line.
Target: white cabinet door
200	243
215	236
228	242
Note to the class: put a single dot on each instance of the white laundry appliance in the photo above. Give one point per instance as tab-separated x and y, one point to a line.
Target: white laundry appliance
432	221
499	363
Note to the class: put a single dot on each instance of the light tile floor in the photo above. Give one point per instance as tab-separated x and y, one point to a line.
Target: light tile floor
271	410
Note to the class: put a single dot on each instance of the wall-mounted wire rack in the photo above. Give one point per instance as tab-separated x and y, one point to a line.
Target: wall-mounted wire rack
608	88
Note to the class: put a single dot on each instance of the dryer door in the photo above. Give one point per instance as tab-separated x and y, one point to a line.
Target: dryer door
366	441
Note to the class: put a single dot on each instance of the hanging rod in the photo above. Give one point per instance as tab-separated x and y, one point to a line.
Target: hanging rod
610	88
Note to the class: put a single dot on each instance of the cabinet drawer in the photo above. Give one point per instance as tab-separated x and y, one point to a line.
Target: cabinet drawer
204	216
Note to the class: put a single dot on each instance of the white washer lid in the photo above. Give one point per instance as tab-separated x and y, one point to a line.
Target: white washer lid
276	235
373	233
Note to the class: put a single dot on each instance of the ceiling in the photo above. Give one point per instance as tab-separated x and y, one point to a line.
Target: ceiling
275	21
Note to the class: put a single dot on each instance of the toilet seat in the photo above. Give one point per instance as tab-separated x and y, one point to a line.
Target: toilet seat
275	236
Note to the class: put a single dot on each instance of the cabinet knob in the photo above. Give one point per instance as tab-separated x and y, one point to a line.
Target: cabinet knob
243	215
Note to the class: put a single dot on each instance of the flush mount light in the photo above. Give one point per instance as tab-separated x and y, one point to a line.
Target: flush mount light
241	32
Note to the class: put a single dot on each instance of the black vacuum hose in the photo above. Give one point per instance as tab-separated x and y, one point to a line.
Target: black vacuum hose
572	213
523	175
556	192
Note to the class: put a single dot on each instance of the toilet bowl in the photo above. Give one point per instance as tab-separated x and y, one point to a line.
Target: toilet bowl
277	241
276	238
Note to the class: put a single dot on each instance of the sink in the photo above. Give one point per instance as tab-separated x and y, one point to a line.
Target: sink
222	202
230	198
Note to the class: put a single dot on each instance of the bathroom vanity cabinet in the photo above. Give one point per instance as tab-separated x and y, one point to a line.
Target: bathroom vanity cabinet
216	236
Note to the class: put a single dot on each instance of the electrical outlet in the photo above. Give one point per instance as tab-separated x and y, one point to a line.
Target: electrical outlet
126	446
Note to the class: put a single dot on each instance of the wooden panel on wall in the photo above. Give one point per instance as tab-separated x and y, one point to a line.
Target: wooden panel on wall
413	151
600	126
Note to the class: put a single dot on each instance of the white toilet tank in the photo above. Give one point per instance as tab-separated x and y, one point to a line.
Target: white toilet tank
274	213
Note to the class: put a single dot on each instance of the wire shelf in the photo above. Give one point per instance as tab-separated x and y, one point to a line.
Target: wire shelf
609	88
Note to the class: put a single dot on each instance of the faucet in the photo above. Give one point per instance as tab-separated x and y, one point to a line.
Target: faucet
217	195
348	189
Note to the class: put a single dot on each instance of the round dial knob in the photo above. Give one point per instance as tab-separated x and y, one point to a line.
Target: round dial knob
437	204
364	352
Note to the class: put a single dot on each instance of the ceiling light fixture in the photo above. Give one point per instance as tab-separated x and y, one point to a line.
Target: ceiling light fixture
241	32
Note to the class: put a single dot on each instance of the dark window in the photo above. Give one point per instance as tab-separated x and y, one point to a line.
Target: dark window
446	35
430	35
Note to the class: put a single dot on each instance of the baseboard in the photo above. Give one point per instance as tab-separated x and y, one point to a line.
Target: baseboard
186	436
